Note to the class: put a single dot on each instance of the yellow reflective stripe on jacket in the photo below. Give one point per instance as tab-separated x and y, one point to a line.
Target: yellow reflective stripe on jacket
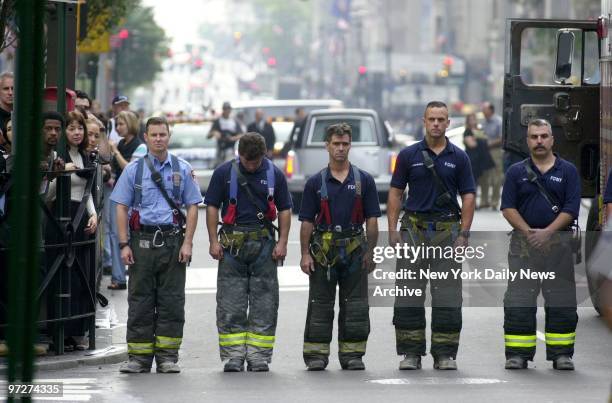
560	339
316	348
352	346
232	339
173	343
520	340
140	348
260	340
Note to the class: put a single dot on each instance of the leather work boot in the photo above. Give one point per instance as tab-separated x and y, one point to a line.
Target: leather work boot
234	365
258	366
516	362
168	367
134	367
563	363
410	362
355	364
445	363
316	365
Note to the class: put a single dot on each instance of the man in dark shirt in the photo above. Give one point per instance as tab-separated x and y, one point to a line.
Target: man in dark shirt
432	217
541	199
261	126
226	131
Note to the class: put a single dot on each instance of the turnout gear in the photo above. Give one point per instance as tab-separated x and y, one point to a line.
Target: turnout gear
338	255
247	281
520	300
409	312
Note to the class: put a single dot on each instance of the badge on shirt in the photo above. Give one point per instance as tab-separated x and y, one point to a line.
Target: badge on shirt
176	179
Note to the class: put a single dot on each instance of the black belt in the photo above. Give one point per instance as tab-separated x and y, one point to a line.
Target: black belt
151	229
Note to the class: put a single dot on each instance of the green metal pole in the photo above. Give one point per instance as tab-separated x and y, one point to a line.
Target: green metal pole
25	210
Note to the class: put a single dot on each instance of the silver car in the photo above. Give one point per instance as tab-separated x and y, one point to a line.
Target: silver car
371	149
190	143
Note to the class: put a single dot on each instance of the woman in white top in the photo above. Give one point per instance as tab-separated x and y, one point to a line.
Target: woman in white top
77	158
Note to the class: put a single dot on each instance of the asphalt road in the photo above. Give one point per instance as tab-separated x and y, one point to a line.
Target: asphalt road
480	377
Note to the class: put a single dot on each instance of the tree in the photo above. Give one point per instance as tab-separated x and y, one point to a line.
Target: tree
139	55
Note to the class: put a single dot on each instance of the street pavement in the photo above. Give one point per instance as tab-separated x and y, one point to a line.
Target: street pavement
480	378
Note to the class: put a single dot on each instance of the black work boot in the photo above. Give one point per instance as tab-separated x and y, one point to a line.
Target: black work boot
563	363
257	366
135	367
316	364
234	365
410	362
516	362
445	363
354	364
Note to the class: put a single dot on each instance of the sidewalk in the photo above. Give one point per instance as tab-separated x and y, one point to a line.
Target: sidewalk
110	338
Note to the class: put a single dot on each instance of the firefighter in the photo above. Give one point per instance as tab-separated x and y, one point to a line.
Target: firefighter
251	193
335	250
158	249
435	170
541	200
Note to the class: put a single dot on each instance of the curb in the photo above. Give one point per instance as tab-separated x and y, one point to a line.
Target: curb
116	354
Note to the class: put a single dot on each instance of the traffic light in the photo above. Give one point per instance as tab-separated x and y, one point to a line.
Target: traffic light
362	70
124	34
271	61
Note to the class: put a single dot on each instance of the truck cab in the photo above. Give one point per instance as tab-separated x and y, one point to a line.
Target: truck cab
560	70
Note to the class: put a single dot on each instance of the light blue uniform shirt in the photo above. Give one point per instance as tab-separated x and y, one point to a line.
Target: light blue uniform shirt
154	210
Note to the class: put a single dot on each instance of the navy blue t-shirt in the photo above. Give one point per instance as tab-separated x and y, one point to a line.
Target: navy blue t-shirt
562	183
341	198
608	191
217	194
453	167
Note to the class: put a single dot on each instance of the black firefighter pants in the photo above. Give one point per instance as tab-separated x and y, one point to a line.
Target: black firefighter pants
520	302
446	300
156	298
353	319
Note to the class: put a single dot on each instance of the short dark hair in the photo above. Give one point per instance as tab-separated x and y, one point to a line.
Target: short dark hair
53	115
252	146
157	120
489	106
435	104
338	129
82	95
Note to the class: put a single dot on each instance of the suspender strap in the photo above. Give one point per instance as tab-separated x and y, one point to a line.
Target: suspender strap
357	213
448	198
176	178
244	184
324	216
533	178
270	178
138	183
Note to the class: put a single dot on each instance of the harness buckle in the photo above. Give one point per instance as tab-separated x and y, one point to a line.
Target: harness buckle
260	216
338	228
154	242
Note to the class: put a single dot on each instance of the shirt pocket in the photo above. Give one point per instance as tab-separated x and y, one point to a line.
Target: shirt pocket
150	195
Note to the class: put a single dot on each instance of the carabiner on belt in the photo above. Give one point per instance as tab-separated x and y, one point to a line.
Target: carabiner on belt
158	233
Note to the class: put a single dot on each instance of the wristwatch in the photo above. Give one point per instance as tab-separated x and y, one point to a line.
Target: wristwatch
465	234
123	244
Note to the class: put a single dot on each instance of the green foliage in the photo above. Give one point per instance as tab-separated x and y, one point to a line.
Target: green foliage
139	56
105	15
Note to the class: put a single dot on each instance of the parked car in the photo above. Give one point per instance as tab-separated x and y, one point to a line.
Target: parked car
189	142
371	149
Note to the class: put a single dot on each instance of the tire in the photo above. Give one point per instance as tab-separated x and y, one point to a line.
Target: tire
591	238
297	202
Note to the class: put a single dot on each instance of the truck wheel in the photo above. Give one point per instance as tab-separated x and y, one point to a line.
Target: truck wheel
591	238
297	202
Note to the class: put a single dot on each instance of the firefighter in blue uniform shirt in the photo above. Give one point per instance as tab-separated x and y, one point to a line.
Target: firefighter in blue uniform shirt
541	200
335	250
158	249
250	192
435	170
